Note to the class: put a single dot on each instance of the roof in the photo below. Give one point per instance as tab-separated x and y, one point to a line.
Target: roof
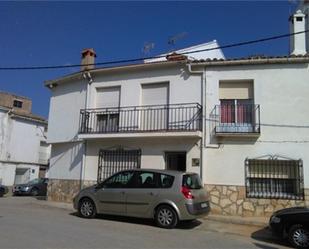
137	66
290	59
14	95
251	60
27	116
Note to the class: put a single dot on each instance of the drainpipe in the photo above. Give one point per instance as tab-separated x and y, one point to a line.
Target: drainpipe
87	76
203	102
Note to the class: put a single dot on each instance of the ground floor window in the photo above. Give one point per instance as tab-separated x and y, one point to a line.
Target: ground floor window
274	178
112	161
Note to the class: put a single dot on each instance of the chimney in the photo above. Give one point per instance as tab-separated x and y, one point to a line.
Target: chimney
88	57
298	41
176	57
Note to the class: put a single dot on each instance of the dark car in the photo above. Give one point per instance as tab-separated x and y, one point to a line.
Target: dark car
36	187
292	223
3	190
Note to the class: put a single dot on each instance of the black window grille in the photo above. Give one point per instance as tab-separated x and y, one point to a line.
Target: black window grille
274	178
112	161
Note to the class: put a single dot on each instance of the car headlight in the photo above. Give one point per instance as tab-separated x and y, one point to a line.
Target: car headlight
275	219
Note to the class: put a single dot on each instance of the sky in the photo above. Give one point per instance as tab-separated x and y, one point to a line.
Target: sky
54	33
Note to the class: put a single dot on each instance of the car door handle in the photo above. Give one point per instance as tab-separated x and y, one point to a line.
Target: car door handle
150	193
122	192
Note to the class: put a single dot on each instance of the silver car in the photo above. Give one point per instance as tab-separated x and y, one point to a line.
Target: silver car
166	196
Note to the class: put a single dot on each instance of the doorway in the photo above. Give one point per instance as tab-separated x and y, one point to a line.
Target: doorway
176	161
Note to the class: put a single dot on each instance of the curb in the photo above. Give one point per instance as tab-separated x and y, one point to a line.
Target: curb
60	205
262	222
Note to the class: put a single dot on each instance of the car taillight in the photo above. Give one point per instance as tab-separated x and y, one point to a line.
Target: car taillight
187	193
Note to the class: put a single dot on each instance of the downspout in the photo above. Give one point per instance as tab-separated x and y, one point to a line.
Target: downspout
203	102
87	76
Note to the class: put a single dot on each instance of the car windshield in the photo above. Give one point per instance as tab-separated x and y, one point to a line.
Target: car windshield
192	181
35	181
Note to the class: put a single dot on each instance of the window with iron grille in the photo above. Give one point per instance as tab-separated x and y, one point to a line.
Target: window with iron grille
112	161
274	178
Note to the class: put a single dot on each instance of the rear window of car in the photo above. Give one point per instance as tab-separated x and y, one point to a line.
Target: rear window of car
192	181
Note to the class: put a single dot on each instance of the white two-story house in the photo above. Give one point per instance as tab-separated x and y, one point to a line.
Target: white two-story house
241	124
24	153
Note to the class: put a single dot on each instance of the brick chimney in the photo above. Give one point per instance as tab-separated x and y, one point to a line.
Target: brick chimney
88	57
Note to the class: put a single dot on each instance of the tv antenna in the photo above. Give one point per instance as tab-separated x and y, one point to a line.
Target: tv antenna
148	46
173	39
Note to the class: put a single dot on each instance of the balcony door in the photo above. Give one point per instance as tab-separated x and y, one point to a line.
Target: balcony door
107	102
236	106
155	98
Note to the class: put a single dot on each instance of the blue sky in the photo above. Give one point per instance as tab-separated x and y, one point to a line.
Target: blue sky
54	33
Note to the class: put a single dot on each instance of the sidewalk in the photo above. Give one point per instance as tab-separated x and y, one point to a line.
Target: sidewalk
252	221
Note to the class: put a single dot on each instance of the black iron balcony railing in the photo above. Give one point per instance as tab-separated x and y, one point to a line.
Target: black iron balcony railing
154	118
238	119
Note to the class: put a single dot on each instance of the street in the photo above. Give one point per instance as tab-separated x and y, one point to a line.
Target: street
24	223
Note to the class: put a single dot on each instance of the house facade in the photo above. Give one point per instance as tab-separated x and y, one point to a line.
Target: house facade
240	124
24	153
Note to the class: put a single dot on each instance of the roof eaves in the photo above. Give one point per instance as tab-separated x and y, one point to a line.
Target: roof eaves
254	60
79	75
30	117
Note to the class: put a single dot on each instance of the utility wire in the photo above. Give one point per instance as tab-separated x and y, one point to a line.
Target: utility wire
156	57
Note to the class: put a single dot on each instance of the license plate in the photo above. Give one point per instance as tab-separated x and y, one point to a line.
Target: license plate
204	205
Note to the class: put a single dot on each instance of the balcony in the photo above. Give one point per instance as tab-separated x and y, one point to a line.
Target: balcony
125	121
236	120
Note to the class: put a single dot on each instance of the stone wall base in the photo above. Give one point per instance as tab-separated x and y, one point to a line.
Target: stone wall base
231	200
65	190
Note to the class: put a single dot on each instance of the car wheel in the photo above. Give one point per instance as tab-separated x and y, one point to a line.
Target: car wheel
166	217
34	192
87	208
299	236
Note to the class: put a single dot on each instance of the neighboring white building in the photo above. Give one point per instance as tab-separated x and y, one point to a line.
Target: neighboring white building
201	51
24	153
241	124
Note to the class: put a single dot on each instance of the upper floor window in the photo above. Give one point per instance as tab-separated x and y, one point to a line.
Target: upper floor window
17	103
236	101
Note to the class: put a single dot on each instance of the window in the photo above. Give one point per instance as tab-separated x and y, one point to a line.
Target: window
166	181
299	19
18	103
113	161
192	181
237	111
274	178
107	122
145	180
121	180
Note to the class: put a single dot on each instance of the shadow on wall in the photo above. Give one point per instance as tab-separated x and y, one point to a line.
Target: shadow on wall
72	155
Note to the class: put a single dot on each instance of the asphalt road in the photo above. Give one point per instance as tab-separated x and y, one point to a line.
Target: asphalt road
26	224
